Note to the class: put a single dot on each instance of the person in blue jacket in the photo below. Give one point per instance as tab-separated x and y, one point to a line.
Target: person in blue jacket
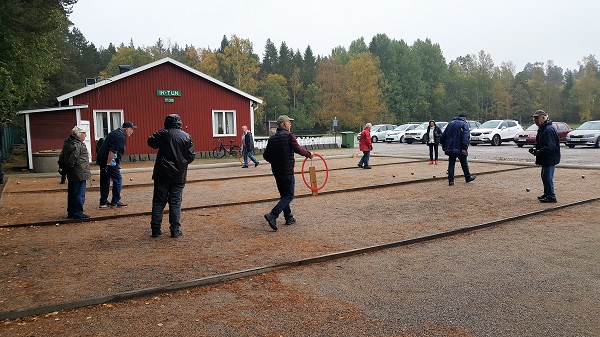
546	152
455	143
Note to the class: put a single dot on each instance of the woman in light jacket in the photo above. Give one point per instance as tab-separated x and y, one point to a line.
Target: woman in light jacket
432	139
365	146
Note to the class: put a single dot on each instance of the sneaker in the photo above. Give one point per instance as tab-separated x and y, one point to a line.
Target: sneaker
290	221
436	162
359	165
431	162
471	178
451	183
118	205
548	200
103	206
543	196
272	220
176	233
256	164
367	167
82	216
156	232
245	166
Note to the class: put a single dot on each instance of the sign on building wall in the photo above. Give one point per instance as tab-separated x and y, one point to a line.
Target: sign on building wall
168	92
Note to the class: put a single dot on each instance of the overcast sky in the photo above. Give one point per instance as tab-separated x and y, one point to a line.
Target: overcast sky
520	31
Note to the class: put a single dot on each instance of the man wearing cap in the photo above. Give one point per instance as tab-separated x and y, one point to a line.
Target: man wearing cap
280	153
546	152
109	158
455	143
74	161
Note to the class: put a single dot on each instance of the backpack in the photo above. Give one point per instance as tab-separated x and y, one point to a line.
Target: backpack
98	146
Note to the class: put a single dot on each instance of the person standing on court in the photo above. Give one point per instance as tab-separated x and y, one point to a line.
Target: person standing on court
74	159
109	158
432	139
455	143
546	152
366	146
248	147
280	153
175	152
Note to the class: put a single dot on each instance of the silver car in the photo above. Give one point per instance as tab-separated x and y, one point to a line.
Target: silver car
397	135
587	134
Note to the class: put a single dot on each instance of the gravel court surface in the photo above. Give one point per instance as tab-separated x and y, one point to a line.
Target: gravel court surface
532	277
102	257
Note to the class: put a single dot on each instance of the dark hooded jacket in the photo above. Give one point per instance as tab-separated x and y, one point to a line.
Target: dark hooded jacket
175	151
455	137
547	145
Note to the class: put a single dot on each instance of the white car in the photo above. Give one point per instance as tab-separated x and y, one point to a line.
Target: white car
586	134
397	135
416	135
495	132
379	131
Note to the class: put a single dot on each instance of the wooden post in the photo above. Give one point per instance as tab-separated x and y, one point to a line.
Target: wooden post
313	180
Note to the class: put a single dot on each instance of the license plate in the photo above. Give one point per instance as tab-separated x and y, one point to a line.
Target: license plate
474	138
520	140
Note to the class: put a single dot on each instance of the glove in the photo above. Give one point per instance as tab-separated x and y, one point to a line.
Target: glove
533	151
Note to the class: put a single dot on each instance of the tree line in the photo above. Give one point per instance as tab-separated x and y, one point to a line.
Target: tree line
43	56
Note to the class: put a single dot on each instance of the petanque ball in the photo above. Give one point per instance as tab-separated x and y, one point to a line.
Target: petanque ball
527	189
130	179
412	173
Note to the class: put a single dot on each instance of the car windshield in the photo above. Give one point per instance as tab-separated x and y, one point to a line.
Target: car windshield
402	127
589	126
422	126
441	125
490	124
533	127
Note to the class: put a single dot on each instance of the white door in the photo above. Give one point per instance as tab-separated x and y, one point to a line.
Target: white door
88	142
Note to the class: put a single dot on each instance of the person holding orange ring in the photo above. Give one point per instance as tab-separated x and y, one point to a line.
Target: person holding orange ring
280	153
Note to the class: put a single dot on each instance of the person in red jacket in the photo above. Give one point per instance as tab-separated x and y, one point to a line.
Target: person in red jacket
365	146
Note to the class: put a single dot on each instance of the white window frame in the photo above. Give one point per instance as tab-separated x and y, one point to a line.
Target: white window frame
216	114
98	127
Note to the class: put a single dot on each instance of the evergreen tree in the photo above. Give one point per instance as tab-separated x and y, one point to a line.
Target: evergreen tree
270	60
309	68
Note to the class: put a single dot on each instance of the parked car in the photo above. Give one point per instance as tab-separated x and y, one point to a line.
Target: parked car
379	131
416	135
495	132
397	135
528	136
587	134
473	125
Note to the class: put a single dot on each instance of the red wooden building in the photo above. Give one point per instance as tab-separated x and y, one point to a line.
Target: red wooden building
211	110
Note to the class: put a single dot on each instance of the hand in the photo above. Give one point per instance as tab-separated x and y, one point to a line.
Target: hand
463	151
311	155
533	151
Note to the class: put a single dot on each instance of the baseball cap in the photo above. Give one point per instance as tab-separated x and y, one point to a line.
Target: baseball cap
540	113
129	124
282	119
462	114
77	130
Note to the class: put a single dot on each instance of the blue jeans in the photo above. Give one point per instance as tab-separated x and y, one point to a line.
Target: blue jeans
114	174
166	192
548	181
364	160
463	163
247	154
75	198
285	185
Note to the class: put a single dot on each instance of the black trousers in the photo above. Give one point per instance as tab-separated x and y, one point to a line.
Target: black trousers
166	192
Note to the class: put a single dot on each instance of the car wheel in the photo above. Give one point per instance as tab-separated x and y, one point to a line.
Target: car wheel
597	145
496	140
520	145
473	144
423	140
374	139
402	139
409	142
571	146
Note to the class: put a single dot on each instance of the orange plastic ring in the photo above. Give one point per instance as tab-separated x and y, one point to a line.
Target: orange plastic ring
326	173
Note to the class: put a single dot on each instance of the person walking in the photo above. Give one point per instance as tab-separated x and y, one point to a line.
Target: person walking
248	147
175	153
280	153
546	152
74	160
366	146
455	143
432	139
109	158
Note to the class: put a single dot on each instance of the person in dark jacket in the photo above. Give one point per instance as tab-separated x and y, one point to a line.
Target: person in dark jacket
175	152
74	158
248	147
455	143
280	153
546	152
432	139
109	158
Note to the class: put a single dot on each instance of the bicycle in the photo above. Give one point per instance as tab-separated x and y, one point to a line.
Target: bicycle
221	150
